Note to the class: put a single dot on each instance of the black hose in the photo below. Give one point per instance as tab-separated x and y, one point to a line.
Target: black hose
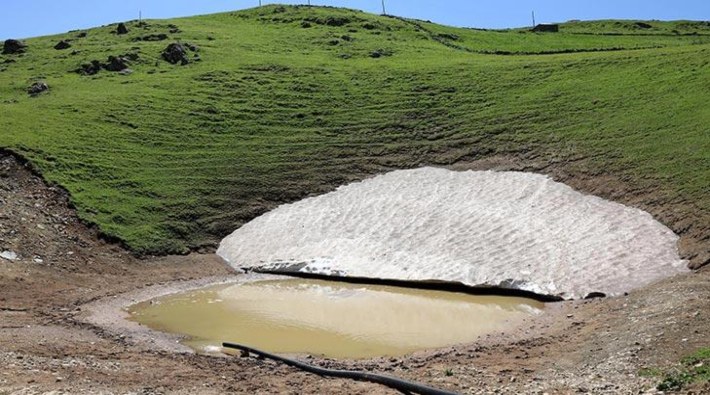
389	381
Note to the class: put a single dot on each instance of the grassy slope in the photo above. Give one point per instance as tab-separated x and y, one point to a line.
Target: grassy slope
170	158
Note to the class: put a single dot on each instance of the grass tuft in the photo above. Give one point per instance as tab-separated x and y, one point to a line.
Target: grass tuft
694	368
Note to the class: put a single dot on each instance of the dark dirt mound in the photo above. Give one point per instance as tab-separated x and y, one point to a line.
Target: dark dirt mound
176	53
11	47
113	63
379	53
37	88
64	44
121	28
89	68
116	63
546	28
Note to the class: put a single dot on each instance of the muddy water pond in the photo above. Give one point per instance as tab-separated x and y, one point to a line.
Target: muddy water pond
331	319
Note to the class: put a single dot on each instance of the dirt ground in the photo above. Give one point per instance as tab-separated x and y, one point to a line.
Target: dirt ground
53	266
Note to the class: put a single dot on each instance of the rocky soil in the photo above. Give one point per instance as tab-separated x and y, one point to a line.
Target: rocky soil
52	265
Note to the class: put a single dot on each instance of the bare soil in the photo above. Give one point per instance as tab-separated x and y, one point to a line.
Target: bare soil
49	343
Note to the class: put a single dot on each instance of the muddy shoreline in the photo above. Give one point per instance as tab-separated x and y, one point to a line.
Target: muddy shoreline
111	313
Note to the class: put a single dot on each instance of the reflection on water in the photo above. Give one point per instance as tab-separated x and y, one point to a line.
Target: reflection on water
332	319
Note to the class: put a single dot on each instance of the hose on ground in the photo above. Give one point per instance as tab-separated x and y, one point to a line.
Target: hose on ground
389	381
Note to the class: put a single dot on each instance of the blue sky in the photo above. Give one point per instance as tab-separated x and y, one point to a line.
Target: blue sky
29	18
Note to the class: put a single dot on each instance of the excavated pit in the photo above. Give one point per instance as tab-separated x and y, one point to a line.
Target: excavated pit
519	238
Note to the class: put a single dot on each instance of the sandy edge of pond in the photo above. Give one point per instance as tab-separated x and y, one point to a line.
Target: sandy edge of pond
110	313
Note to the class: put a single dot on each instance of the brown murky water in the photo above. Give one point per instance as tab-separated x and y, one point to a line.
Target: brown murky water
331	319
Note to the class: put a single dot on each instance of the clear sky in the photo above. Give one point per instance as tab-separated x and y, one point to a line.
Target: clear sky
29	18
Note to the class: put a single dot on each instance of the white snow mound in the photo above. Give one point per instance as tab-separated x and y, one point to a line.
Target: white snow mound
481	228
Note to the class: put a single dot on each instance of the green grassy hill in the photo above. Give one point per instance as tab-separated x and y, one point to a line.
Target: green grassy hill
289	101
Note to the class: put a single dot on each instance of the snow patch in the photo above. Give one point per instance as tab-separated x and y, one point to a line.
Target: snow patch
481	228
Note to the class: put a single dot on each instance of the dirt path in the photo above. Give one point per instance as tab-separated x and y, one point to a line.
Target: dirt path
594	346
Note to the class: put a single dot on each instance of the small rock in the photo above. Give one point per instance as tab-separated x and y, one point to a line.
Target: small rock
89	68
132	56
378	53
176	53
121	29
116	63
37	88
64	44
13	47
82	35
595	295
9	255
